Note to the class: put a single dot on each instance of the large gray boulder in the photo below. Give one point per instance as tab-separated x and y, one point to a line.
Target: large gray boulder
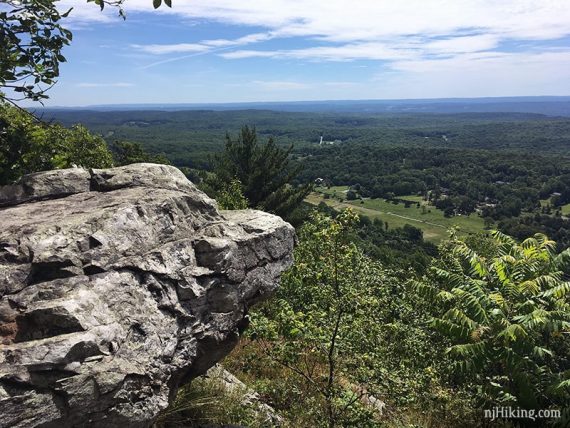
119	285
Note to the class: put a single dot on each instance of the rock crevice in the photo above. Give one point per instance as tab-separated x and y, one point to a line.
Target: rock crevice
117	286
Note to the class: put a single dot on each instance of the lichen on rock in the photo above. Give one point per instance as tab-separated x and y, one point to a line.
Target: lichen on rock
119	285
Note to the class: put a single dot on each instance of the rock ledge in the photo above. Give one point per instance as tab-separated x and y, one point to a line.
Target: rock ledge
119	285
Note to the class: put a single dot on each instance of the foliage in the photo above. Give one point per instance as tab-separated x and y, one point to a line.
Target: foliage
397	247
189	136
208	402
32	43
263	171
231	198
346	330
125	153
320	314
555	227
500	165
508	315
31	48
27	146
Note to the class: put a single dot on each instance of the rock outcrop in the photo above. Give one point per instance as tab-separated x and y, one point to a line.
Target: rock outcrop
119	285
249	398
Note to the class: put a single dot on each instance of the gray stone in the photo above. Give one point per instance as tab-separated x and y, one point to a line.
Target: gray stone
249	397
46	185
117	286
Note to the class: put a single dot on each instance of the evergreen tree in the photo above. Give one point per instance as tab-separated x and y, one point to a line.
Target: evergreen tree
263	170
125	153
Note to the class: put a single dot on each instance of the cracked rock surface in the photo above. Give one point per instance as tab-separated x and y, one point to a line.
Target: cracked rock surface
119	285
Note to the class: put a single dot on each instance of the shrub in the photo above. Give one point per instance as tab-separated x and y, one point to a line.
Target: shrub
508	315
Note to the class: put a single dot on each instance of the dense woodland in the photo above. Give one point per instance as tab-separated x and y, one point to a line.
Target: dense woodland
374	325
505	167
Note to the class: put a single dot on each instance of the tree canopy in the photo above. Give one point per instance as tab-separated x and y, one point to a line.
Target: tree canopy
505	307
126	152
31	49
28	145
32	45
263	170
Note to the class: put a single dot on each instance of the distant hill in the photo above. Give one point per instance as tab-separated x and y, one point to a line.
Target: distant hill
546	105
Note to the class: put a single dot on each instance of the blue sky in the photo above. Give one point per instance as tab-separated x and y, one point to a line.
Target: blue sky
285	50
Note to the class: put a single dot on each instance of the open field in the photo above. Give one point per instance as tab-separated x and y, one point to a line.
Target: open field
340	191
565	209
432	221
413	198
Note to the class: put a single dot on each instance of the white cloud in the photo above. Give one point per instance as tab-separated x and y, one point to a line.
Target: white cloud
203	45
462	44
478	74
173	48
344	30
347	52
429	46
487	61
366	20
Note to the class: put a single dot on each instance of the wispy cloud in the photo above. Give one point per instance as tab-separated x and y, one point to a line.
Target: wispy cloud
203	45
462	44
196	49
173	48
366	20
480	73
395	50
409	48
344	30
347	52
180	58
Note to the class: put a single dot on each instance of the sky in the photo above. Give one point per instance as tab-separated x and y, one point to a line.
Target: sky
216	51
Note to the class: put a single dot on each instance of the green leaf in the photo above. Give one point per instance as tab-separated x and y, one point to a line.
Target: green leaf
156	3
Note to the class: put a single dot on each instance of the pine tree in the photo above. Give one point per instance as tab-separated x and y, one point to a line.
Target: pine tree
263	170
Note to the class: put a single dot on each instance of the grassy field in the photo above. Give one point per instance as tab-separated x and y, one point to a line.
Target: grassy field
431	220
413	198
565	209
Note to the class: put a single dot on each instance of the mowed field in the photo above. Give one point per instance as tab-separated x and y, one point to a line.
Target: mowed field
430	220
564	209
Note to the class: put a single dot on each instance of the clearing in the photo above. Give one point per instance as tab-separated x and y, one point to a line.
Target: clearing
427	218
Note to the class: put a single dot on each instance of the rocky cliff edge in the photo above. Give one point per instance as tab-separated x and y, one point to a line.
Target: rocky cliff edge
119	285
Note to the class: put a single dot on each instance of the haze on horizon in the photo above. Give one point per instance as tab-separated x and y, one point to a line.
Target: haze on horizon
220	51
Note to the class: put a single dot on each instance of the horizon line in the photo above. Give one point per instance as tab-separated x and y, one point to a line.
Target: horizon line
344	100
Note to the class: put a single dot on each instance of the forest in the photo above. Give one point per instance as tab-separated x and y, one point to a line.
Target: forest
510	169
431	274
431	278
